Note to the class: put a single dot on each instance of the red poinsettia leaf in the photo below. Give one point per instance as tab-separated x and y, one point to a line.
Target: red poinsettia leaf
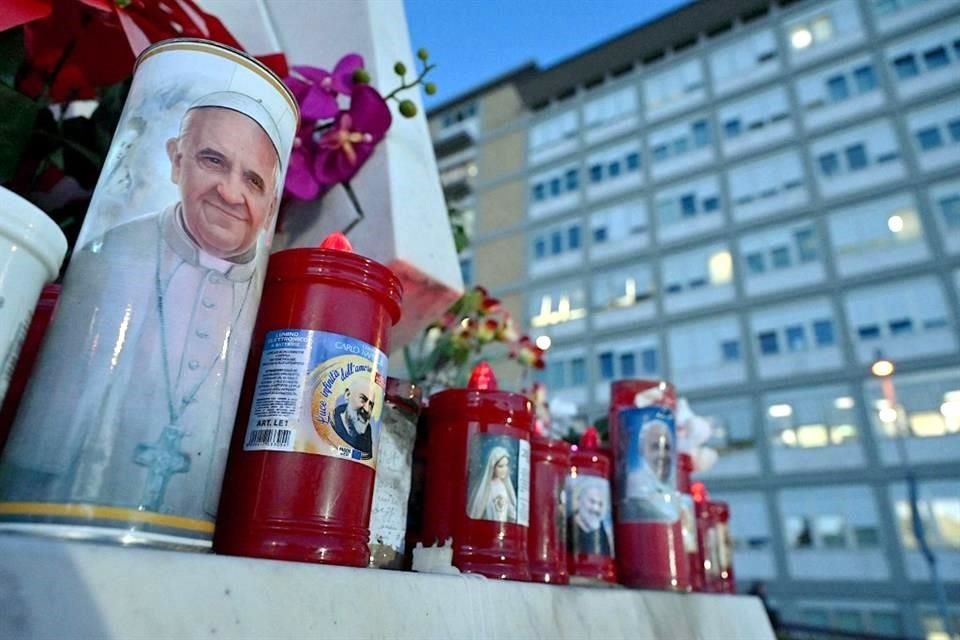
276	62
136	36
20	12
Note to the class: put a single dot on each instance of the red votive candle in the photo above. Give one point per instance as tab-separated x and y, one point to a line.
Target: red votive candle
478	479
688	521
650	551
720	517
590	532
547	540
299	481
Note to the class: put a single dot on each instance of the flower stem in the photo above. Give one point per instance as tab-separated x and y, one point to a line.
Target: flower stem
403	83
356	207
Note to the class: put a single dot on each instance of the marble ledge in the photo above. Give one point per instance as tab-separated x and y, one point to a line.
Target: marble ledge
53	589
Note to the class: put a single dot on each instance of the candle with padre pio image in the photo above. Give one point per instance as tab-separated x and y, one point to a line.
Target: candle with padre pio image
122	433
299	482
590	532
478	477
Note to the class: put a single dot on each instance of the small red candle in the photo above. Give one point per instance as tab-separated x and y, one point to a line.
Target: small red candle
299	481
720	516
691	541
547	540
590	534
478	477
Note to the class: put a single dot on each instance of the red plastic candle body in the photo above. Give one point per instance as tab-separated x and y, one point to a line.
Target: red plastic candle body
547	541
720	512
478	479
590	558
650	548
28	356
694	551
306	505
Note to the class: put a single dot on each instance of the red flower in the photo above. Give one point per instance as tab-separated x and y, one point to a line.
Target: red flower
78	46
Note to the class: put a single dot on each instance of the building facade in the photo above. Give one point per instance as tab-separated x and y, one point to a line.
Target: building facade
753	201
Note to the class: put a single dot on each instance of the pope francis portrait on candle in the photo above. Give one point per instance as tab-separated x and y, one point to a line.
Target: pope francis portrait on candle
145	395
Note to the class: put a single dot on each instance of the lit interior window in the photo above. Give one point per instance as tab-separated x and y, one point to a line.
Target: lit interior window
844	402
780	411
927	424
822	28
721	267
950	410
842	432
812	435
789	437
801	38
630	294
565	312
895	224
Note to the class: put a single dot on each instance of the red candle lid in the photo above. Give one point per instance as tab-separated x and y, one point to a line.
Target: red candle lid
590	440
699	492
337	242
482	378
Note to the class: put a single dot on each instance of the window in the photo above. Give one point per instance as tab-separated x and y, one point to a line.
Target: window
823	332
573	180
950	208
555	187
868	332
796	338
466	270
935	58
929	138
856	157
573	238
613	169
711	203
688	205
701	133
811	417
606	366
538	192
633	161
731	128
556	242
901	326
848	620
599	235
831	531
755	263
780	257
906	66
648	358
578	371
954	128
628	365
661	152
730	349
837	88
768	343
540	248
556	377
865	78
829	165
596	173
806	242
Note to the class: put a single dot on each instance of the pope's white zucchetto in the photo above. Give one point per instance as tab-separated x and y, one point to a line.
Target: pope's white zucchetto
249	107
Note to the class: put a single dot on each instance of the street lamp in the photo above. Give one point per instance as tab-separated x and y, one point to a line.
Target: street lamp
883	369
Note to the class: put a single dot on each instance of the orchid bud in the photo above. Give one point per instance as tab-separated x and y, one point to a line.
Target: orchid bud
408	109
423	54
400	69
430	88
361	76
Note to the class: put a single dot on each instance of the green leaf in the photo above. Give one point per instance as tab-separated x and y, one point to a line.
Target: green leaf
11	55
17	116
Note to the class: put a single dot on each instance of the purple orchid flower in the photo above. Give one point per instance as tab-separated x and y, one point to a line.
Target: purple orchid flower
318	90
355	133
300	182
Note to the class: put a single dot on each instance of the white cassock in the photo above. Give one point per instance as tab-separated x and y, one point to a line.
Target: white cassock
134	395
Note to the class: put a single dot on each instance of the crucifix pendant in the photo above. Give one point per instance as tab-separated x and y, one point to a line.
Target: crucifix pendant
162	459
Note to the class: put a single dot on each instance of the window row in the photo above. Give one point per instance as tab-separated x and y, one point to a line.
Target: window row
843	91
